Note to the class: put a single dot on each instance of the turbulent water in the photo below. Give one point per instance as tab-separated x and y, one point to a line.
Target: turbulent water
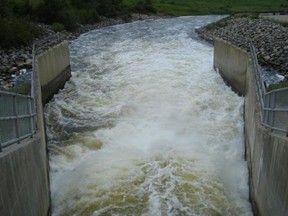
145	126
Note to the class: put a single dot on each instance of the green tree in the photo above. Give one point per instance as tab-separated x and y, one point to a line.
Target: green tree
5	8
49	11
16	32
144	6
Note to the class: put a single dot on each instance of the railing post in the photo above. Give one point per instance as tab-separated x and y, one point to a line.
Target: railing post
33	71
16	125
33	85
0	141
273	106
30	117
265	112
0	132
268	105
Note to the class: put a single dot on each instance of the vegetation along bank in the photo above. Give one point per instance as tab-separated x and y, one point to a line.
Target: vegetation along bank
269	38
23	22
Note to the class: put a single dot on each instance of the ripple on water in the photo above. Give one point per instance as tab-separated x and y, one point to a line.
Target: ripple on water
146	127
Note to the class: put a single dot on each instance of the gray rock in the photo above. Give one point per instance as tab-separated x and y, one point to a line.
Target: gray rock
4	61
28	62
12	70
270	39
3	69
24	56
20	64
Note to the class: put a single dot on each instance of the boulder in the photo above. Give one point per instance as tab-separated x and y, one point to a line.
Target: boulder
3	69
24	56
12	70
269	39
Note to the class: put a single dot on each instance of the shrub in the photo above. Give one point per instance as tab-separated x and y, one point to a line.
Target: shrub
23	9
16	32
50	10
87	16
68	20
144	6
57	27
5	8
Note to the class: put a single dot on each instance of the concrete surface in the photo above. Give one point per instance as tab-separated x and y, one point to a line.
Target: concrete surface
54	70
24	180
267	151
232	63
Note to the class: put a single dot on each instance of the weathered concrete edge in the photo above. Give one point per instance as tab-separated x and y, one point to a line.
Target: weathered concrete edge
267	151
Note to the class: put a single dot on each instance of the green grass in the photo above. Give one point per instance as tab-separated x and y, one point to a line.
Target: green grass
200	7
280	22
24	89
283	84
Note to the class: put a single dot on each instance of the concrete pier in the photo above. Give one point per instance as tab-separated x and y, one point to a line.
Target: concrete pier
24	180
267	150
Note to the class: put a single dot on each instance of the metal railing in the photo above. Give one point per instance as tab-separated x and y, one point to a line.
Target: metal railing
17	118
18	112
273	104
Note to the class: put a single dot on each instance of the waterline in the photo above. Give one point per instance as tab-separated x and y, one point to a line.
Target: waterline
146	127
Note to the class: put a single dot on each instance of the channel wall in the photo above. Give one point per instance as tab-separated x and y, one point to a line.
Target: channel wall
24	181
266	150
54	69
24	170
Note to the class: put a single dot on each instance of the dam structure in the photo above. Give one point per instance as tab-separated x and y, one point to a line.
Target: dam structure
145	126
24	177
266	117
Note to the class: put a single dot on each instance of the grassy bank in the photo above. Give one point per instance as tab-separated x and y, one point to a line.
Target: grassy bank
282	20
17	16
199	7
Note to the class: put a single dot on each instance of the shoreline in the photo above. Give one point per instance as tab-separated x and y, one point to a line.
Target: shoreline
14	60
270	39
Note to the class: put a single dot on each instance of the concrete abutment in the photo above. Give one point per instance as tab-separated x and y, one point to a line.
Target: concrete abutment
24	181
267	150
24	177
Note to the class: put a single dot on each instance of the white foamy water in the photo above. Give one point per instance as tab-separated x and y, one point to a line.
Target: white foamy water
146	127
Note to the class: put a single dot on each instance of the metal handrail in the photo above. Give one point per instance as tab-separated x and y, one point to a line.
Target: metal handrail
267	110
13	119
265	96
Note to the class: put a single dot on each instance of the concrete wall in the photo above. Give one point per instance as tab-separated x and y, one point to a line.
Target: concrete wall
24	188
267	151
232	63
268	156
24	180
54	69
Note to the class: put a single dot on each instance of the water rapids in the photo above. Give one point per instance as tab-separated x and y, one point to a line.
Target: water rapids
146	127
